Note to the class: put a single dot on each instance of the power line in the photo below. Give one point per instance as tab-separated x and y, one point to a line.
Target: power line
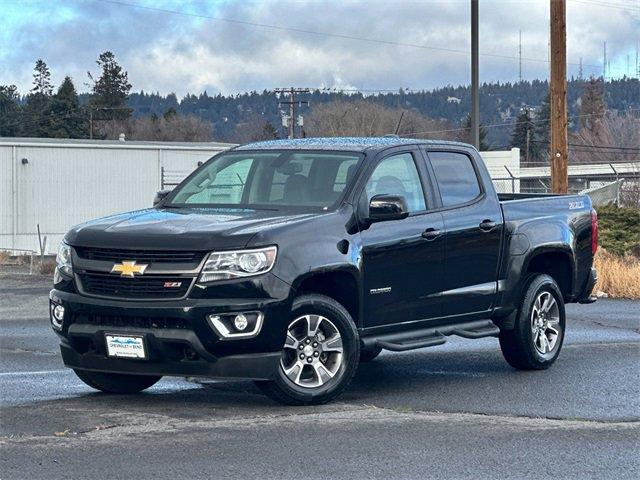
323	34
507	124
605	147
608	5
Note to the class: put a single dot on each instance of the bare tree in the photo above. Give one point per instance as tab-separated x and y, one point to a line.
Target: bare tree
170	128
366	118
254	129
615	140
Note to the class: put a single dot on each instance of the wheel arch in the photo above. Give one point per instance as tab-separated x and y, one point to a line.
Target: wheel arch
340	283
557	262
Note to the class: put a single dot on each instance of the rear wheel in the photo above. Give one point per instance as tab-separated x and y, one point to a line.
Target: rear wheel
320	354
116	382
538	333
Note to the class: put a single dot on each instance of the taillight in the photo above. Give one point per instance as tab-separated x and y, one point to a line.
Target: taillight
594	231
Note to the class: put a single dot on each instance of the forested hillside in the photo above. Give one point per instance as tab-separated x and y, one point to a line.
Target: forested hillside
500	104
512	114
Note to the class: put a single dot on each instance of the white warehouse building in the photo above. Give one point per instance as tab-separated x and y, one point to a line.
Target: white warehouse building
58	183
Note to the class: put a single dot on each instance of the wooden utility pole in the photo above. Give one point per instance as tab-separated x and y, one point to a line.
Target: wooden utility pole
291	103
559	148
475	77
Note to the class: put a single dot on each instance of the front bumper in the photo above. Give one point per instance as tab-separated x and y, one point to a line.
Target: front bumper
178	337
255	366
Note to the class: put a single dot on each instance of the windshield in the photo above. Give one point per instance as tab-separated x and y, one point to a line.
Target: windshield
273	178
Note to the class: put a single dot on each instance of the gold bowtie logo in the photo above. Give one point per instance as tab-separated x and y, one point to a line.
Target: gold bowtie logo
128	268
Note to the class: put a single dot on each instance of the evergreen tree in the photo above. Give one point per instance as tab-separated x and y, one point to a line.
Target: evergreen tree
68	120
523	136
592	107
269	132
465	134
37	115
170	113
110	90
41	79
9	110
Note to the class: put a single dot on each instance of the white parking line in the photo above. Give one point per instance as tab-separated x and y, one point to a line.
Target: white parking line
38	372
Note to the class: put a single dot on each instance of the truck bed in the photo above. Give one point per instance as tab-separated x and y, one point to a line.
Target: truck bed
506	197
519	206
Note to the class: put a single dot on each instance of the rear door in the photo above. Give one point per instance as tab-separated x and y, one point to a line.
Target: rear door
402	265
473	225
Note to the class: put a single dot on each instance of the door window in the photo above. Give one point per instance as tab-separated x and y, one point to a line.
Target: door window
397	175
456	177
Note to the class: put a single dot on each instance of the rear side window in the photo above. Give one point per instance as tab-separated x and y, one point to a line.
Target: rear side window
456	177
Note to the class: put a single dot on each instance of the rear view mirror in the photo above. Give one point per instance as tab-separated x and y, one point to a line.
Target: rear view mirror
383	208
160	196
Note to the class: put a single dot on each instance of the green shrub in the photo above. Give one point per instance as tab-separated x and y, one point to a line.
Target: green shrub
619	230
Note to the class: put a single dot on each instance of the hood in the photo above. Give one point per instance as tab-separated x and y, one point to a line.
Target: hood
178	228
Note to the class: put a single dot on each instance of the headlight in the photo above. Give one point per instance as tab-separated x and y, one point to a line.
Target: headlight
239	263
63	259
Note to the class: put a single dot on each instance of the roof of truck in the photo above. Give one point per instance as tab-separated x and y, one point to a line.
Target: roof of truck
354	144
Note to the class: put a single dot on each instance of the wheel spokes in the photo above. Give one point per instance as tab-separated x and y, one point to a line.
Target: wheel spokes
291	342
544	343
313	323
322	373
548	304
334	344
294	372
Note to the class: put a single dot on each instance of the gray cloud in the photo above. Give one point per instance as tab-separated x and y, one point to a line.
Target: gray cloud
167	52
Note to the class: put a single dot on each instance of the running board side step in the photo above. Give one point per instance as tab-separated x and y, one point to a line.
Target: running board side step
429	337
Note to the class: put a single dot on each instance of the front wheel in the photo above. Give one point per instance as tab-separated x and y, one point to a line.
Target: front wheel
116	382
320	354
538	333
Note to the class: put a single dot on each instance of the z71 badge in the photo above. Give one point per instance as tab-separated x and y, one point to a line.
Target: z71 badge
576	205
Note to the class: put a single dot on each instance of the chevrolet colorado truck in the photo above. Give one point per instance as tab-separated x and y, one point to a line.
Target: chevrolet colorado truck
288	262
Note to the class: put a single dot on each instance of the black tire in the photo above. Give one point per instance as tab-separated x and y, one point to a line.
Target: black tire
519	346
369	354
119	383
284	390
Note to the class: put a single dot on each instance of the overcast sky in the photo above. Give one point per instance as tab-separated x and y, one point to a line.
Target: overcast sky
237	46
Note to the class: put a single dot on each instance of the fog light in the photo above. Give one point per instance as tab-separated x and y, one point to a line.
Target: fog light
58	312
57	316
237	324
240	322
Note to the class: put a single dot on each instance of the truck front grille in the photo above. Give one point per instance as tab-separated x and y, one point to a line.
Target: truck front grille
136	322
154	256
147	288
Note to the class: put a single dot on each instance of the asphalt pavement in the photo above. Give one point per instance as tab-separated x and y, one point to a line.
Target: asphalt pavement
454	411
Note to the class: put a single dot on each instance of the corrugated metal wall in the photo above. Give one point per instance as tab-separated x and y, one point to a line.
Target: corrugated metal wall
59	185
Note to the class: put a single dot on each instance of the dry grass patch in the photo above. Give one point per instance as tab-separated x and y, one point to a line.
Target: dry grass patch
619	277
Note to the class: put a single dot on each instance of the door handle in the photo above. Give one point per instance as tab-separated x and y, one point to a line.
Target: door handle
431	234
487	225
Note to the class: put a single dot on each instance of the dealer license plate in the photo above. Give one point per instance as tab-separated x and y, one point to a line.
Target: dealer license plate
125	346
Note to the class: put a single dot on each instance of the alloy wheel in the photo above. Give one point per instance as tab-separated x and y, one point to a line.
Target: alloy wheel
313	351
545	323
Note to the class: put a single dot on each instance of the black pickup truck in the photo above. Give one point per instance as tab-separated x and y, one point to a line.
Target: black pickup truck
288	262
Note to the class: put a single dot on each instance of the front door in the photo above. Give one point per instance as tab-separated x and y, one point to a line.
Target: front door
402	259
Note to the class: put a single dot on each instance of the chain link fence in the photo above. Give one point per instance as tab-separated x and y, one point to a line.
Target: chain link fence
606	183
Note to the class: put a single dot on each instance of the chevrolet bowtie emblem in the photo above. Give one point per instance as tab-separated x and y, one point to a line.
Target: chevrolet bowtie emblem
128	268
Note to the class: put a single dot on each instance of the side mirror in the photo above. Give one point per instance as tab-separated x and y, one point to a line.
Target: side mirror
160	196
384	207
